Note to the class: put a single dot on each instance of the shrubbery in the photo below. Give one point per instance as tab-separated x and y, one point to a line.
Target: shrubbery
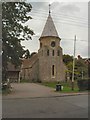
6	88
83	84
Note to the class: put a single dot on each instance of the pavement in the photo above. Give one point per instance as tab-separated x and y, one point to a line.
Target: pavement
32	90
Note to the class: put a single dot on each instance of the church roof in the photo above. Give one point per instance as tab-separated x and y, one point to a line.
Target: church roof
28	63
11	67
49	28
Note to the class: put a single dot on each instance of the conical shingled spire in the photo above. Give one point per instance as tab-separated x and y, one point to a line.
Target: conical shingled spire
49	29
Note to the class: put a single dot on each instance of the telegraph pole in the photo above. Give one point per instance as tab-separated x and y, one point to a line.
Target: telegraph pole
73	63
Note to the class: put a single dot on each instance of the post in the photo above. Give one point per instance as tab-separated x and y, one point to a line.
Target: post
82	74
19	78
73	63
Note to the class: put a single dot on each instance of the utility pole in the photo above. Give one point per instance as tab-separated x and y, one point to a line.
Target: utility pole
73	63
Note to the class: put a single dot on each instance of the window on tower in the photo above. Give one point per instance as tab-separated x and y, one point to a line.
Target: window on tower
53	53
53	43
58	53
47	52
42	52
53	71
40	45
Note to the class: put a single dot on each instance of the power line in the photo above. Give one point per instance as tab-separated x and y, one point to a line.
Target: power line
58	18
73	39
73	23
65	21
75	17
58	15
45	11
68	39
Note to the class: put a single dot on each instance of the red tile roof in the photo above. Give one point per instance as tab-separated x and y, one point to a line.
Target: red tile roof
27	63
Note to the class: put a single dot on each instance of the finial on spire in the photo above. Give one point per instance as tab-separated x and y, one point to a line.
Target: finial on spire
49	9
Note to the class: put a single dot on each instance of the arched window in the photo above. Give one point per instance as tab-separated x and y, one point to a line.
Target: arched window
53	53
58	53
24	73
53	71
40	45
47	52
42	52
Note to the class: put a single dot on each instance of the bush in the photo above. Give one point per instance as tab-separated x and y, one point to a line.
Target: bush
5	86
39	81
36	81
24	81
83	84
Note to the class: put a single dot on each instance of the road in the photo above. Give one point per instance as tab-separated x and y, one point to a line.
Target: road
35	101
52	107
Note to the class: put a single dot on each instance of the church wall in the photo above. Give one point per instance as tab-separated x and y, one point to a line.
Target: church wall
30	73
24	74
34	72
60	68
46	41
44	72
46	62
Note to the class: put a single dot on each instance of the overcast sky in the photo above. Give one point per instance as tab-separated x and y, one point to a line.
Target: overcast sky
70	19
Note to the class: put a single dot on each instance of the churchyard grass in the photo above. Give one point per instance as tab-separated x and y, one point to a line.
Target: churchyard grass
66	86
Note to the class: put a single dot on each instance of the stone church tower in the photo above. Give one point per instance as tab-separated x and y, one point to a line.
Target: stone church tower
46	65
51	67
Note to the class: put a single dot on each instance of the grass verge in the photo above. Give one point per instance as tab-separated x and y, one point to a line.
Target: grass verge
67	88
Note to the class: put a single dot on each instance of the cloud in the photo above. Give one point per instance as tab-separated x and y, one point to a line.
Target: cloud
70	8
39	5
66	7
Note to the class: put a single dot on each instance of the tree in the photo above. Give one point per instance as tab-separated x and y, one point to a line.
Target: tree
33	53
14	15
89	67
81	68
27	54
67	59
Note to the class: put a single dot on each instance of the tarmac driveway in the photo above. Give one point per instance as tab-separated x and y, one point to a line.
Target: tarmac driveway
32	90
27	90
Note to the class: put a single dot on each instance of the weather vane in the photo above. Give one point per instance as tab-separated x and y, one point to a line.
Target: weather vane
49	8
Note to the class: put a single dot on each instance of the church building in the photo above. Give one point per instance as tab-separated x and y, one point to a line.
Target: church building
46	65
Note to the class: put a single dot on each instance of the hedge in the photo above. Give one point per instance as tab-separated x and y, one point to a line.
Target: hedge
83	84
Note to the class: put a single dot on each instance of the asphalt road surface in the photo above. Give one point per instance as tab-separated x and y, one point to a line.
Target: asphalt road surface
52	107
44	106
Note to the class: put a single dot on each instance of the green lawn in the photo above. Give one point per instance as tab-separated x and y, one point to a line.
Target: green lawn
66	86
24	81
